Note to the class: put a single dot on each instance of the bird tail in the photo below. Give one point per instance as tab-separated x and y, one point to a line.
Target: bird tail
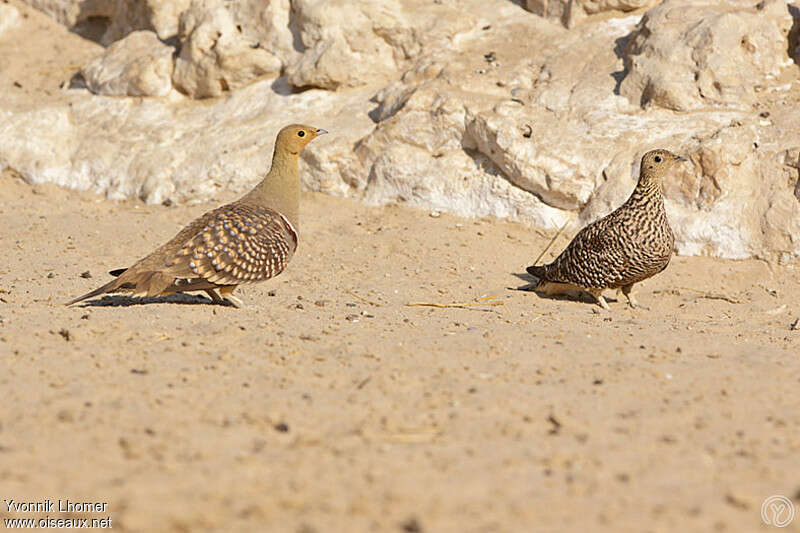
536	271
108	287
147	283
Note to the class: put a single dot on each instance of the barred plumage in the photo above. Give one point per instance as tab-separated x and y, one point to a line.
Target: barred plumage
625	247
247	241
236	244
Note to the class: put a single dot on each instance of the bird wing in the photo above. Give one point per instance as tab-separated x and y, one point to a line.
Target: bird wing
596	257
235	244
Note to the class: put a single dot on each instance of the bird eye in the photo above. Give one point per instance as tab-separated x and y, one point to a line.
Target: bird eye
301	133
658	159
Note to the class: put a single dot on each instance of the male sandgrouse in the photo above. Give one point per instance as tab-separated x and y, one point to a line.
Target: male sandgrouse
625	247
247	241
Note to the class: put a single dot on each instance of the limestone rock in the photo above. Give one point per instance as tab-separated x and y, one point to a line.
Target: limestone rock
214	56
270	23
68	12
713	199
687	56
465	183
596	6
570	12
352	43
158	149
477	107
110	20
138	65
9	18
555	177
162	16
333	54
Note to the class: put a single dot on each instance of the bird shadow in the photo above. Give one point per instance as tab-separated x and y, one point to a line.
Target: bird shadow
119	300
530	282
571	295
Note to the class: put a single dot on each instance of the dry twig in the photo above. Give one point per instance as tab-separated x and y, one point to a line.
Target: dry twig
712	295
351	293
553	240
474	305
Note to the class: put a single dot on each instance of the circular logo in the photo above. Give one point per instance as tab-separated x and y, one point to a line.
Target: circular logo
777	511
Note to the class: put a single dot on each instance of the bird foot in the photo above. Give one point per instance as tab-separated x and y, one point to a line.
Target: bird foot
228	298
233	300
597	294
214	295
635	304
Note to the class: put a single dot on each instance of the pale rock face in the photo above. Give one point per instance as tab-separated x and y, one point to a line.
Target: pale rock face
214	56
268	23
476	107
425	156
163	16
461	182
369	41
160	16
596	6
155	150
690	55
570	12
68	12
137	65
334	55
555	177
9	18
712	198
121	17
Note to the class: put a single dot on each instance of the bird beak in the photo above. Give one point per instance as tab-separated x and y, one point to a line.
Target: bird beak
320	131
680	158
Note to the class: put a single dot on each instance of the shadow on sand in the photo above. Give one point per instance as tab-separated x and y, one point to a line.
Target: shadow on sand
571	296
119	300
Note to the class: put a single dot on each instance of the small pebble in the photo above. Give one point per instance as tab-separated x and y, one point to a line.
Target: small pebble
412	525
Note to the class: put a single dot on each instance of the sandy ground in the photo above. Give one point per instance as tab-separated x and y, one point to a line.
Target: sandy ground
330	404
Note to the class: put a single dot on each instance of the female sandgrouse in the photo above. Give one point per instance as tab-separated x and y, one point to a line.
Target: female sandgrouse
630	245
247	241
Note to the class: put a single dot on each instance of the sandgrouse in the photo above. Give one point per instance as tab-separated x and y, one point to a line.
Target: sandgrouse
625	247
247	241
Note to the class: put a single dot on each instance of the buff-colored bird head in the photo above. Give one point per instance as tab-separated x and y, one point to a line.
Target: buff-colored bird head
657	162
295	137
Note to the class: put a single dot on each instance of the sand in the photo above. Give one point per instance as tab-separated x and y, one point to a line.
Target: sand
331	404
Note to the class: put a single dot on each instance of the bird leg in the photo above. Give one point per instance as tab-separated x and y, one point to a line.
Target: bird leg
598	295
215	297
627	290
227	294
